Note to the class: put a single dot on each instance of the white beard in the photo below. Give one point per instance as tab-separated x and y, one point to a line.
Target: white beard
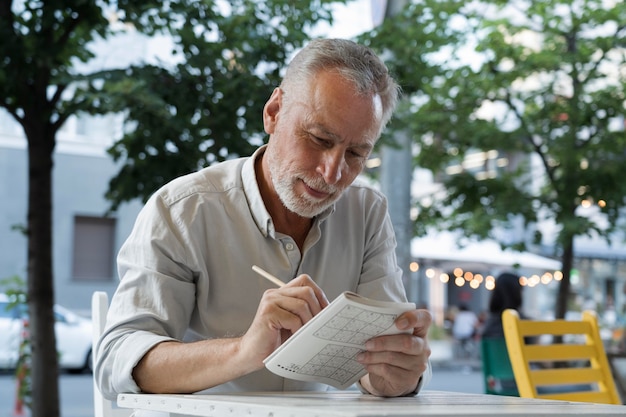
302	205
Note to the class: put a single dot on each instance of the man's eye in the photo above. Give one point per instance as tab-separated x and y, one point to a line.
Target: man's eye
321	141
356	154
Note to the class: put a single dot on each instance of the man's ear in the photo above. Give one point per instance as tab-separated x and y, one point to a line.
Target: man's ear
271	109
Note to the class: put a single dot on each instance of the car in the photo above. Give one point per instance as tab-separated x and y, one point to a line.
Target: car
73	334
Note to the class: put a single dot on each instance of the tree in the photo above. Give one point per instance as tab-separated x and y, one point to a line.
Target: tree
240	45
206	107
38	44
415	32
546	92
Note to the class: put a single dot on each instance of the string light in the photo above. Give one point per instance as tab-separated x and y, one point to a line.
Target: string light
475	280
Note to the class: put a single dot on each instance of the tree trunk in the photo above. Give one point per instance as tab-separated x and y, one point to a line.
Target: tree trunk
44	365
567	260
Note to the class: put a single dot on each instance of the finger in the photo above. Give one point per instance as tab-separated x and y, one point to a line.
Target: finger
418	320
291	306
403	343
405	362
288	308
304	308
305	280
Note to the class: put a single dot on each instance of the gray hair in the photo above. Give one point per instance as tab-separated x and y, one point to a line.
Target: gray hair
356	63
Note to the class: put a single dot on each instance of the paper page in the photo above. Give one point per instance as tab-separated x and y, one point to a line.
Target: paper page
324	350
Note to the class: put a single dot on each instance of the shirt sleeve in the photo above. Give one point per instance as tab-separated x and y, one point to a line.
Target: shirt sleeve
381	276
152	303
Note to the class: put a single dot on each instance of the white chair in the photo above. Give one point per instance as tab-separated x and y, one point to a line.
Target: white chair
102	406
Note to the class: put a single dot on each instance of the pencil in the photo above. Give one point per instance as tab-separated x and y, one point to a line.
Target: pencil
268	276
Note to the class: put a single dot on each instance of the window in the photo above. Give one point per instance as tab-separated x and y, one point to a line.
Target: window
94	240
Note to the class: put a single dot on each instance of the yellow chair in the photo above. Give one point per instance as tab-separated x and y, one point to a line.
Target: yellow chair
575	369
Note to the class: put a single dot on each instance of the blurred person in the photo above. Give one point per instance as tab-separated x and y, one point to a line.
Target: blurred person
482	319
464	329
506	294
499	378
189	313
609	316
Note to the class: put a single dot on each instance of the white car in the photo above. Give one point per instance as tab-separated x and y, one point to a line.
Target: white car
73	334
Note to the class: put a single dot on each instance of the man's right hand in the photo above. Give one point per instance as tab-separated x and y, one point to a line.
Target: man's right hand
177	367
281	312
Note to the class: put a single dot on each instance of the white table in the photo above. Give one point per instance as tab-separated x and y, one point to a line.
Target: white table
354	404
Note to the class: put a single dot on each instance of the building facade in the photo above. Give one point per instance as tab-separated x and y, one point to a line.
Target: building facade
85	240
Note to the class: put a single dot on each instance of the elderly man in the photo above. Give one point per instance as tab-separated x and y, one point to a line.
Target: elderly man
189	313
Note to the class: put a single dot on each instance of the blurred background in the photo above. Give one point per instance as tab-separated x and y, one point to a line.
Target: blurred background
506	153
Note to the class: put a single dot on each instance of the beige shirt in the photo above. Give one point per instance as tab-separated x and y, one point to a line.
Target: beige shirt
186	267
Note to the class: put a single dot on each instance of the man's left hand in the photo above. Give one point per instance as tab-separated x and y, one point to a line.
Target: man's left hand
395	363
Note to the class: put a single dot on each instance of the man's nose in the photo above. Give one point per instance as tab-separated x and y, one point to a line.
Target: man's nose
331	166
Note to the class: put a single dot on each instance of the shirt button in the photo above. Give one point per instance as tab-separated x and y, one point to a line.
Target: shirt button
289	246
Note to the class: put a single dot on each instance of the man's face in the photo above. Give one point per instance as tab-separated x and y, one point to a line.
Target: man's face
320	139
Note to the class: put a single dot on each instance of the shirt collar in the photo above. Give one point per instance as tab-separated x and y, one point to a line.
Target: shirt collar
257	208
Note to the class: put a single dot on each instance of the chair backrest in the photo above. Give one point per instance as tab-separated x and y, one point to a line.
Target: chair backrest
497	372
102	406
574	367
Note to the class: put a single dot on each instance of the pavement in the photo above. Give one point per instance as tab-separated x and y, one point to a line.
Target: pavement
456	364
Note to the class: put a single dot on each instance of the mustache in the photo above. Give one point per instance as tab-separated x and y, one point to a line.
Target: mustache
320	185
